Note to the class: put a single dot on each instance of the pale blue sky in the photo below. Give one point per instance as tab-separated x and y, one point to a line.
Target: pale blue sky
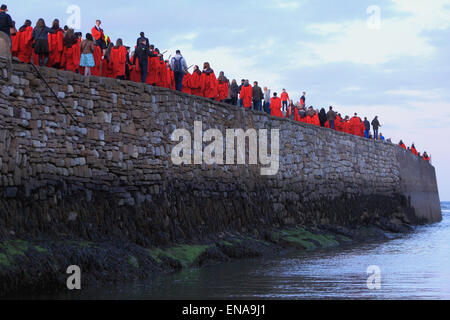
399	72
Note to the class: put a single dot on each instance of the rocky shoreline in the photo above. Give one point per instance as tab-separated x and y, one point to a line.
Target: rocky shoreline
39	266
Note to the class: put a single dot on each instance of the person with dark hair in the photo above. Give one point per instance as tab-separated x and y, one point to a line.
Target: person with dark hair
234	88
402	145
376	126
141	55
426	157
179	66
322	117
303	100
187	83
65	29
275	106
247	95
196	85
24	44
5	20
141	39
56	45
240	98
258	96
40	37
119	59
366	128
99	36
414	150
208	82
107	68
72	52
331	117
223	85
87	54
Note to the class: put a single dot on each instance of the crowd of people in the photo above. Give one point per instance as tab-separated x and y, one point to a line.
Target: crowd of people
96	55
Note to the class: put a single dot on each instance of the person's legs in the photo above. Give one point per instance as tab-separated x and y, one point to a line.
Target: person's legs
241	103
375	134
366	133
144	71
179	80
331	124
87	71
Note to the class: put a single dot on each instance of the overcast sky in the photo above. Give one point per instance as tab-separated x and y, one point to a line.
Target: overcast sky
396	67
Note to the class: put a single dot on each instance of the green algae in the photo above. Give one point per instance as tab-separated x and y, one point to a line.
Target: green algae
133	261
309	239
14	247
185	254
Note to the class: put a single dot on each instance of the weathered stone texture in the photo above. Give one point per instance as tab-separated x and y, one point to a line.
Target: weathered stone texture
121	148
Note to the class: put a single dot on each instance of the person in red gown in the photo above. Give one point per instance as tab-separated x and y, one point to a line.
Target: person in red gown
153	66
196	87
107	68
275	106
414	150
355	125
208	82
135	69
247	95
187	83
24	43
118	59
402	145
170	76
56	45
223	85
71	53
99	36
96	71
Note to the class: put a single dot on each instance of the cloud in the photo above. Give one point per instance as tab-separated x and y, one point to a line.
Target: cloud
401	35
281	4
424	94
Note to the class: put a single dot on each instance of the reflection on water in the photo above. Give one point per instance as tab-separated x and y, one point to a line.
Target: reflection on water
415	266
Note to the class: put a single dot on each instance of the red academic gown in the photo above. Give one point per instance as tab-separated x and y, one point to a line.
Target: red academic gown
346	127
315	120
56	47
153	66
97	34
187	83
161	74
24	44
402	146
222	89
135	70
14	44
275	107
209	84
118	60
339	126
95	71
107	69
414	151
196	87
247	96
355	126
71	57
284	96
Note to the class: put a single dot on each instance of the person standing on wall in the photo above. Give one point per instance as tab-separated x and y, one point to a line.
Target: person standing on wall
234	88
179	67
258	96
99	36
5	21
40	36
331	117
284	100
142	54
303	101
376	125
240	88
366	128
267	100
87	54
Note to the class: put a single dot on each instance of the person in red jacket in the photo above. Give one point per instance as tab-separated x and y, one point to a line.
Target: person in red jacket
208	82
346	126
99	36
414	150
196	87
187	82
284	100
275	106
118	59
56	45
247	94
355	125
98	54
426	157
402	145
71	54
24	43
223	84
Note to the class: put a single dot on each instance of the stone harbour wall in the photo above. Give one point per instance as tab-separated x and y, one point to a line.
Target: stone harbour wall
110	174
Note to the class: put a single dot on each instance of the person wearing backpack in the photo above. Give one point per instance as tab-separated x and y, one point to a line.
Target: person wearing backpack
179	67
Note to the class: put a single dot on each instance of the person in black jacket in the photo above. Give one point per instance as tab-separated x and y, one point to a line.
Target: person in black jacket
142	53
257	97
322	117
366	128
5	20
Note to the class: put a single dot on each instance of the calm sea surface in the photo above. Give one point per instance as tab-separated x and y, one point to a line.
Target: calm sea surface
415	266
